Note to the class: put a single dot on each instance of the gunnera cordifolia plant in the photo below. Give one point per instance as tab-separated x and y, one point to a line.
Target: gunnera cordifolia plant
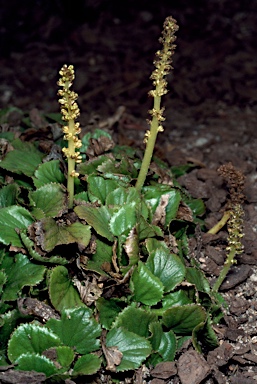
96	273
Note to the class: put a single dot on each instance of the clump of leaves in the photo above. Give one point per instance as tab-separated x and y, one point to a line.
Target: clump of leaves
106	281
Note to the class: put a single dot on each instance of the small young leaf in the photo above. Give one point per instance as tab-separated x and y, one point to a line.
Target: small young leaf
135	320
183	319
86	365
51	199
11	219
61	290
147	288
77	328
134	348
165	265
20	272
31	338
47	173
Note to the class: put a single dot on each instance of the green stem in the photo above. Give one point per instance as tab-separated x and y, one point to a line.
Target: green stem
225	269
71	166
149	146
220	224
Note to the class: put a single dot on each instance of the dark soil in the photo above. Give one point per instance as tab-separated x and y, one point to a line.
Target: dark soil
211	119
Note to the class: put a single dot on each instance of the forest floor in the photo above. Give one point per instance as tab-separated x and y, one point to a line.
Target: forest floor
211	119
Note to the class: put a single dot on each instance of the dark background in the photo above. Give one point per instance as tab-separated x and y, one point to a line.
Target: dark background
112	46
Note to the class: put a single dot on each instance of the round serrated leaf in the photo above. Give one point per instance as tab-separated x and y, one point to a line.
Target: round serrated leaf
165	265
35	362
48	172
147	288
51	199
183	319
11	219
124	219
134	348
136	320
31	338
77	328
61	290
86	365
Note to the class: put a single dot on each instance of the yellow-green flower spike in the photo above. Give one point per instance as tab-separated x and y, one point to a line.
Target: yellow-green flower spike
70	112
162	68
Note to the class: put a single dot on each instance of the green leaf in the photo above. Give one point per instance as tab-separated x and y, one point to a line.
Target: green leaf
8	195
54	234
183	319
134	348
77	329
108	311
24	159
51	199
64	355
124	219
61	290
147	288
86	365
82	196
35	362
197	206
148	230
204	333
20	273
90	167
97	217
99	188
100	258
48	172
135	320
122	195
196	277
153	195
11	219
31	338
164	343
10	320
167	266
3	279
179	297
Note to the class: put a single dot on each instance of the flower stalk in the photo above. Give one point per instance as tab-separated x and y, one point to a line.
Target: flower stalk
234	216
70	112
162	68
